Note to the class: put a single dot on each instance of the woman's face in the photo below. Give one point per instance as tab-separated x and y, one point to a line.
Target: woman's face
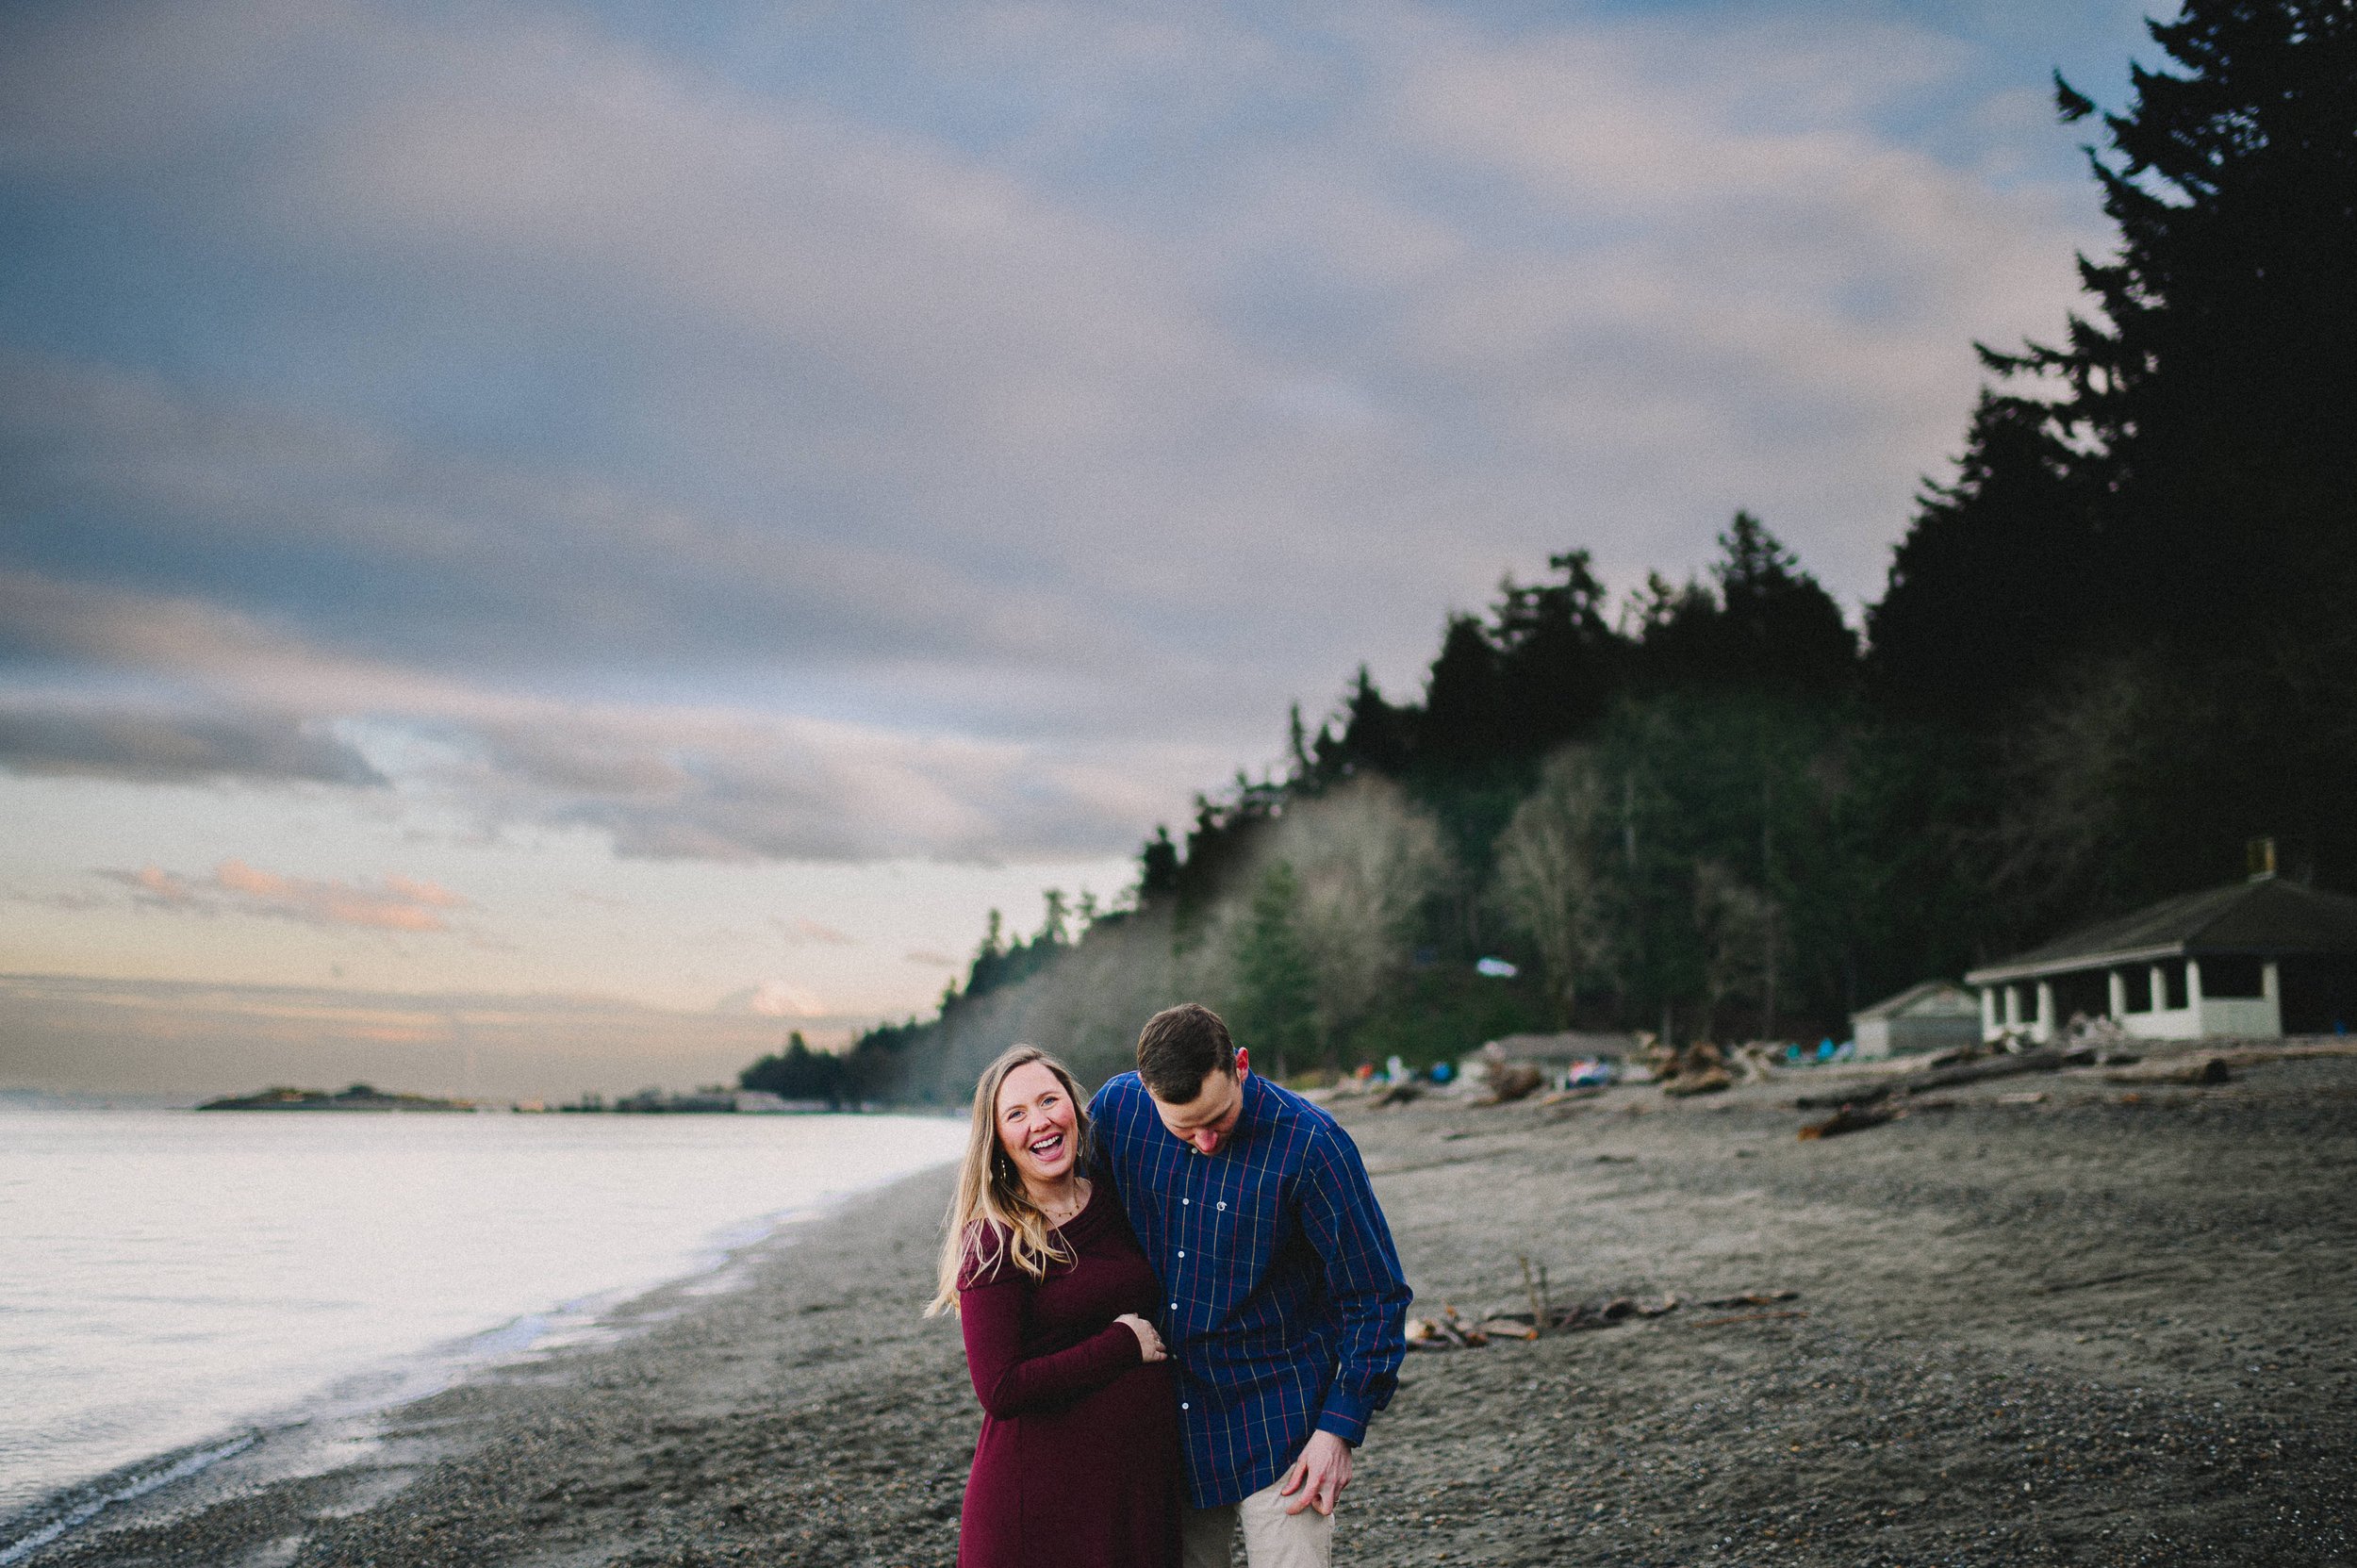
1036	1121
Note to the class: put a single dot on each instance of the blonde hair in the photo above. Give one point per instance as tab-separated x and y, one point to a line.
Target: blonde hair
991	1193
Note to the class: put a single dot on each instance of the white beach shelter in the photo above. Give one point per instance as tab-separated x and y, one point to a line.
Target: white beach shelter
2264	957
1934	1016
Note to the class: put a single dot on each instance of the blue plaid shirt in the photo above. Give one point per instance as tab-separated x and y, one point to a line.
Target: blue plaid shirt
1285	1307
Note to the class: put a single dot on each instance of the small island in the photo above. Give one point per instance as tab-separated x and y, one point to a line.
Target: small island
359	1097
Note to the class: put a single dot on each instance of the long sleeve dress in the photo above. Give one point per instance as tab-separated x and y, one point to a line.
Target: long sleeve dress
1078	1465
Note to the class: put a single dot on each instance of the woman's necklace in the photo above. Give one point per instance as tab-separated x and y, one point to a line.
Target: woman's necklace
1066	1207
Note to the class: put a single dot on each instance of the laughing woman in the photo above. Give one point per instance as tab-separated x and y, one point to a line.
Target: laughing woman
1078	1465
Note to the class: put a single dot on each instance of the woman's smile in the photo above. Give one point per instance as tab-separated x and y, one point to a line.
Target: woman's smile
1036	1122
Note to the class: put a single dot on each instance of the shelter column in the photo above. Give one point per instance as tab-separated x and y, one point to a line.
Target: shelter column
1988	1012
2160	990
2120	992
2045	1028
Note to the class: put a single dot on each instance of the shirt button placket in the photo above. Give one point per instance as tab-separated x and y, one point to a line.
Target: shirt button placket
1185	1201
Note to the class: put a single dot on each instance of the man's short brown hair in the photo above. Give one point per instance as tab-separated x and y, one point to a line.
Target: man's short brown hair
1179	1048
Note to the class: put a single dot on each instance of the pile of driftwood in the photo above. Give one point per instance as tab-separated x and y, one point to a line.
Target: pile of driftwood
1860	1106
1705	1068
1454	1331
1503	1082
1871	1105
1699	1069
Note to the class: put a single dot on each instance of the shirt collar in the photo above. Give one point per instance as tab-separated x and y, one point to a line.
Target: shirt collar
1256	1093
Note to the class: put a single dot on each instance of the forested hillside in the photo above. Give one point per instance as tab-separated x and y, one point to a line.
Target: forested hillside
2116	644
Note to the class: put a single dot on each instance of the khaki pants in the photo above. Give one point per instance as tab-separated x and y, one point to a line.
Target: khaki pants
1272	1537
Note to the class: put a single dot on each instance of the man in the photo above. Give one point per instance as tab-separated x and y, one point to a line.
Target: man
1284	1302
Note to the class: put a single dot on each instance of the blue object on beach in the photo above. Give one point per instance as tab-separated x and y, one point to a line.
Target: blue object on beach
1496	968
1444	1072
1825	1051
1588	1074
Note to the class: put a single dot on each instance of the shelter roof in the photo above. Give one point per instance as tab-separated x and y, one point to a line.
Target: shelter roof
1937	999
2263	918
1568	1046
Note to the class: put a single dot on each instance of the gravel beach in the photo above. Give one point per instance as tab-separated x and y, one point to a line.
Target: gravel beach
2046	1319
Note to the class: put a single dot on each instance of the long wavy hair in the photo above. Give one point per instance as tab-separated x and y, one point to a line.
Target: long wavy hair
991	1191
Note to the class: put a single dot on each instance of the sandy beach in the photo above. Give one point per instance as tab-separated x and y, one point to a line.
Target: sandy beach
2046	1319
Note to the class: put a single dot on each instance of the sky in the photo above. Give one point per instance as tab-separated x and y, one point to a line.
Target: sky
544	545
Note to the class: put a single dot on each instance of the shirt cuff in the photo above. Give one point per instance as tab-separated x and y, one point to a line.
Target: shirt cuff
1346	1416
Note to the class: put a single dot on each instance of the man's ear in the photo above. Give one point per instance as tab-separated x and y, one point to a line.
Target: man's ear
1244	1063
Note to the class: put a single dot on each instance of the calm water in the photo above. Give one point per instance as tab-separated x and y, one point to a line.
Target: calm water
167	1278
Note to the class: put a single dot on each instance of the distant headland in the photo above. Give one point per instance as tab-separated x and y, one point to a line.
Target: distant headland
359	1097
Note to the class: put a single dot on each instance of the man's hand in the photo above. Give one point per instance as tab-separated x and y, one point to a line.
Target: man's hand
1319	1474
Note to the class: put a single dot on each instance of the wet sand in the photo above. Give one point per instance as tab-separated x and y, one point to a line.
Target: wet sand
2107	1325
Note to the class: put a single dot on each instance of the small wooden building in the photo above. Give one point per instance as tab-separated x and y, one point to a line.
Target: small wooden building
1562	1049
2260	958
1938	1014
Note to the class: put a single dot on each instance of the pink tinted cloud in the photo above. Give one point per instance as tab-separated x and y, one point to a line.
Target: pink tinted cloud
153	884
804	932
395	903
419	891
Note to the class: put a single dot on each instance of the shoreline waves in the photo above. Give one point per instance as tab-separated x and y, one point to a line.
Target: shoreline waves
178	1284
2072	1324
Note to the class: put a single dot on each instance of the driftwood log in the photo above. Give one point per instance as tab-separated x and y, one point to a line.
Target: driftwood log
1850	1119
1453	1330
2201	1069
1509	1081
1750	1298
1705	1080
2045	1060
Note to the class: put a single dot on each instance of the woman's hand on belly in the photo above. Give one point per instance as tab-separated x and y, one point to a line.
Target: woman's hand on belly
1150	1346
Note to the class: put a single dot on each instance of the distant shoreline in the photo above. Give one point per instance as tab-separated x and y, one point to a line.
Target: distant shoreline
358	1097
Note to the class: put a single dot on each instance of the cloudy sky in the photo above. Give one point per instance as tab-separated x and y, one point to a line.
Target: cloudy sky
680	509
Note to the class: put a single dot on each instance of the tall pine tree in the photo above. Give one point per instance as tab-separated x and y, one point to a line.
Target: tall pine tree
2165	503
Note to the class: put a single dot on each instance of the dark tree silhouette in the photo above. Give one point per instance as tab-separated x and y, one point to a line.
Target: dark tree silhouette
1979	605
1557	661
1465	716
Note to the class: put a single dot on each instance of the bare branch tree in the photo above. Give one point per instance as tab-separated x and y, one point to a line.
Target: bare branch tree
1743	937
1552	879
1365	857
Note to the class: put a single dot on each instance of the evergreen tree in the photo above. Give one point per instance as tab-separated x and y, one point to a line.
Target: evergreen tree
797	1073
1158	869
1982	587
1465	719
1376	735
1678	636
1055	927
2216	386
2183	505
1557	661
1768	623
1275	1011
1779	626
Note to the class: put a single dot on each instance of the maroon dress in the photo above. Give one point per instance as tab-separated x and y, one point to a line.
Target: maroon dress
1079	1464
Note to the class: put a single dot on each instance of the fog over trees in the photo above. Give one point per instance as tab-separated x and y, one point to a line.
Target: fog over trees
2117	641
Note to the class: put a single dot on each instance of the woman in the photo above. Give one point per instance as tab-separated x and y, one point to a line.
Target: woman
1077	1462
